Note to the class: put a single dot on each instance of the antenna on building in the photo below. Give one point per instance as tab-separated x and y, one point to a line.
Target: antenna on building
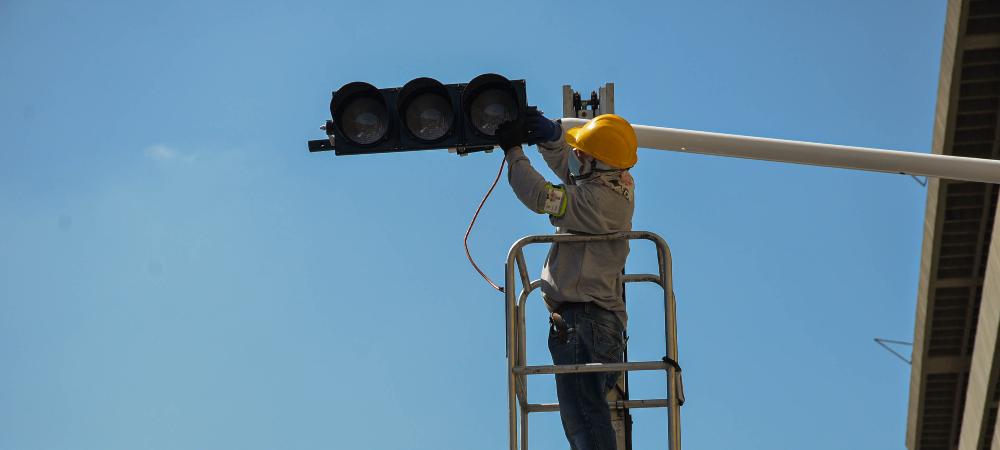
884	342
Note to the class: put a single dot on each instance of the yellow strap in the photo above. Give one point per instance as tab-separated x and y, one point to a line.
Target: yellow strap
555	200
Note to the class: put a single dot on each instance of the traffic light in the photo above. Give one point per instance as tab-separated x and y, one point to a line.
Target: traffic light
424	114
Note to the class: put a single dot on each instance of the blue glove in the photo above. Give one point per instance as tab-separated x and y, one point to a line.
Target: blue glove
540	128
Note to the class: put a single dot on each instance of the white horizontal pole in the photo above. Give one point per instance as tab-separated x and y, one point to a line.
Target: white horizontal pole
811	153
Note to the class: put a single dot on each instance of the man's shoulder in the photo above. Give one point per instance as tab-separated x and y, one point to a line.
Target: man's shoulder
611	187
612	206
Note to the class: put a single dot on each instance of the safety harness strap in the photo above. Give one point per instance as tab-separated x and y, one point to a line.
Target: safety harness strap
680	380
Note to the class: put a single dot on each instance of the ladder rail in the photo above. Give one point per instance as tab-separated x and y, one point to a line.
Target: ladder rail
517	369
521	381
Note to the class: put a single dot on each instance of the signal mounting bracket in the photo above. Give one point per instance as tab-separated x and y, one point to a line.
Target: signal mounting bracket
600	102
465	151
323	145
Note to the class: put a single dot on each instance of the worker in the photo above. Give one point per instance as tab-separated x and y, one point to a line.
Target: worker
582	282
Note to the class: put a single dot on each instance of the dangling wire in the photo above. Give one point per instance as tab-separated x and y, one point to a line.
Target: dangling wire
473	222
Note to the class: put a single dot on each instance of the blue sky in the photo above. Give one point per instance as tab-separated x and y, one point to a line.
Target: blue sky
179	272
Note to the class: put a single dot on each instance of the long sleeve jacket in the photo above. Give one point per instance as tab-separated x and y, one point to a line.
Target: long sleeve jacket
603	203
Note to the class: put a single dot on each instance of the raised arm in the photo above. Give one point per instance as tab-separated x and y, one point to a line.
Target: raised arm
592	208
531	188
556	154
551	141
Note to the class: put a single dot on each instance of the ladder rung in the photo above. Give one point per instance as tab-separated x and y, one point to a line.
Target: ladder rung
653	403
642	277
592	367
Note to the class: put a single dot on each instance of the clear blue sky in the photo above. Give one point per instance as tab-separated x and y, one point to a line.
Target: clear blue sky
178	271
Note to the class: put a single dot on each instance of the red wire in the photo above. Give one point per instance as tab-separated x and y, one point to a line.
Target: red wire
473	222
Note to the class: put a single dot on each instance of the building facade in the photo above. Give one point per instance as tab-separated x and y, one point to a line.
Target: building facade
954	384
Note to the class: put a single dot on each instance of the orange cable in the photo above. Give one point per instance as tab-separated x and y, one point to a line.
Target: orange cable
473	222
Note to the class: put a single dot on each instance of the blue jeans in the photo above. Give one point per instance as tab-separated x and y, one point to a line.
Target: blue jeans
596	336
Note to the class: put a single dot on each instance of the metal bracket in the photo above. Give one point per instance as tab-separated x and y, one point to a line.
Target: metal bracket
601	101
324	145
465	151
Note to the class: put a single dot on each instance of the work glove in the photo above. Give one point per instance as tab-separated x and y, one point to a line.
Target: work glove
512	133
540	128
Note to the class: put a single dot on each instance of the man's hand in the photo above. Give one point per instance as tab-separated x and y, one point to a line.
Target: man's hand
540	128
512	133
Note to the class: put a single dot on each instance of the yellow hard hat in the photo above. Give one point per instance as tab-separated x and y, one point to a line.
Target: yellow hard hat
608	138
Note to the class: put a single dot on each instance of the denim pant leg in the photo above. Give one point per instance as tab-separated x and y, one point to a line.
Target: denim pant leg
583	405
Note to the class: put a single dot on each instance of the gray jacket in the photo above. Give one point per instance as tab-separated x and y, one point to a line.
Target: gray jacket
603	203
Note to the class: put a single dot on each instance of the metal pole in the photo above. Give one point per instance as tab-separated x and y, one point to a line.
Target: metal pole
674	384
509	288
811	153
524	429
522	348
670	331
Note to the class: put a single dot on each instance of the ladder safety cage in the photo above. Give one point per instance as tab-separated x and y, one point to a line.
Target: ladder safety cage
518	370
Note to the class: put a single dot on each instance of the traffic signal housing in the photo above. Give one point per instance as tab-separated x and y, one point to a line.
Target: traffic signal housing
424	114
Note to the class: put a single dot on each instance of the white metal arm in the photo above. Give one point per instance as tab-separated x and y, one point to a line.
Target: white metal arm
798	152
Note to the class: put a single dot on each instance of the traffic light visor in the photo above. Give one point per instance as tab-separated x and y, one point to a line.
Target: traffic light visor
426	109
360	114
489	101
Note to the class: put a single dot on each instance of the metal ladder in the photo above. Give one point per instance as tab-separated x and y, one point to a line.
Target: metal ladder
517	370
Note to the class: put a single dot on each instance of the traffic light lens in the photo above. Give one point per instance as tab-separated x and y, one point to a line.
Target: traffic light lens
429	116
492	108
365	121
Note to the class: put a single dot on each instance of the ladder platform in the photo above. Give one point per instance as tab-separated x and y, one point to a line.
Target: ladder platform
591	367
515	304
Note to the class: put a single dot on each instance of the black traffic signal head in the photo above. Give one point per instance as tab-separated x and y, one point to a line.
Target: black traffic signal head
424	114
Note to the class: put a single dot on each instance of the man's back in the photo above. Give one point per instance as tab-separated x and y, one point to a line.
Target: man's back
591	271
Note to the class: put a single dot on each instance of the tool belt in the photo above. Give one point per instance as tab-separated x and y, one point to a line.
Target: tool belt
559	325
